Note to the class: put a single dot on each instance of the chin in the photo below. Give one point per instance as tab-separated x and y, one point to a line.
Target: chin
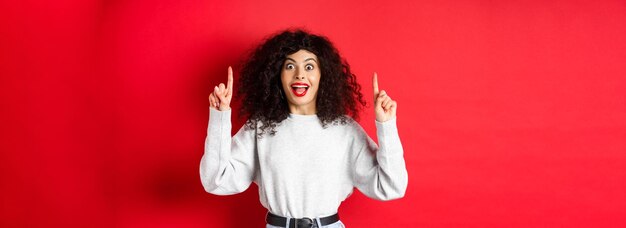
301	102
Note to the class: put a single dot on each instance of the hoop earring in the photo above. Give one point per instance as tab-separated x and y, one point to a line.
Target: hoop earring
282	94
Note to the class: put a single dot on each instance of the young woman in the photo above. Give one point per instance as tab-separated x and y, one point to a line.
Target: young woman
301	144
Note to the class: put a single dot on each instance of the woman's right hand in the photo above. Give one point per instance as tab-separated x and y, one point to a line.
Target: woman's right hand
221	96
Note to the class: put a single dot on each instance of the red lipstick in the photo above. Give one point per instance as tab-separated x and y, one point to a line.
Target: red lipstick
299	88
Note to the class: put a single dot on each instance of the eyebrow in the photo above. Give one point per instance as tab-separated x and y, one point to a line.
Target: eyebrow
304	60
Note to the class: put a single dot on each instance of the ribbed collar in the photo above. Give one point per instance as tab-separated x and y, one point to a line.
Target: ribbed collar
298	117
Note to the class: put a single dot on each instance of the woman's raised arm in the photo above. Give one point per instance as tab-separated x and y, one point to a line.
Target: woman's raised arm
229	163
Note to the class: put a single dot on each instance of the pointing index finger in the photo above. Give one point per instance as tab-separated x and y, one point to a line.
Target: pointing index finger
375	83
229	87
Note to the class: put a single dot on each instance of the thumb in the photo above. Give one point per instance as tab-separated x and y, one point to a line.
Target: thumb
219	93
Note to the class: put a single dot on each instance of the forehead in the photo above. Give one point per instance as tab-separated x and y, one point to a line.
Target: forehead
301	56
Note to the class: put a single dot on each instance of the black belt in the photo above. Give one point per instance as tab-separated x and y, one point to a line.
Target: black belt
276	220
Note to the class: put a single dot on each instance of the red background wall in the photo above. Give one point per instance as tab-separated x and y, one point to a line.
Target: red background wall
511	114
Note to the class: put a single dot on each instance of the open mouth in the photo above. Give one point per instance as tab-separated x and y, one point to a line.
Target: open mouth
299	89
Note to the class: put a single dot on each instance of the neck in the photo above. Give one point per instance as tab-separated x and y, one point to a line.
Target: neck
309	109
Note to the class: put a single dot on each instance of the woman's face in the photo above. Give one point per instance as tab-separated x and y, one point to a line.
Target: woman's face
300	76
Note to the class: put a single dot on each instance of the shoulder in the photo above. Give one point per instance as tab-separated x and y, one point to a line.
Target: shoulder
356	135
350	126
248	129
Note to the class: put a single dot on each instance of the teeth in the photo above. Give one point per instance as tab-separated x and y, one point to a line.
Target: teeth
300	86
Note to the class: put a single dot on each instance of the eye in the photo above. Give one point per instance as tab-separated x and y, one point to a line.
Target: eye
289	66
309	67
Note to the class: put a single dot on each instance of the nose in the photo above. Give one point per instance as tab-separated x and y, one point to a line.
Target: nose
299	75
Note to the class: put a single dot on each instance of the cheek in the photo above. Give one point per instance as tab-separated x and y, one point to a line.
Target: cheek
284	78
315	77
316	81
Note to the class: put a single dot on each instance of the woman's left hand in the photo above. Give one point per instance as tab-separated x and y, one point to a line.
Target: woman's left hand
384	106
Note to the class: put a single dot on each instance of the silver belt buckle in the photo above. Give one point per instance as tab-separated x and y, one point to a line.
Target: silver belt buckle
305	223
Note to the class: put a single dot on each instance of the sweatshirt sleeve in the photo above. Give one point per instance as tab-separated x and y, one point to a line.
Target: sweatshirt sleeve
229	163
380	172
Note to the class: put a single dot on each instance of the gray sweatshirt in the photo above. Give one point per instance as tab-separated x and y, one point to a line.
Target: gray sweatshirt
303	170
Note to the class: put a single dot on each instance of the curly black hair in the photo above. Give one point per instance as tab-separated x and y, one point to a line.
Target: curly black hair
339	94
